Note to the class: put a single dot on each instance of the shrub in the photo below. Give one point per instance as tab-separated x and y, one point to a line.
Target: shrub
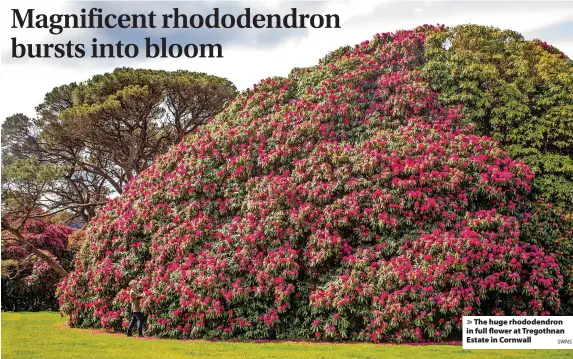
28	283
341	202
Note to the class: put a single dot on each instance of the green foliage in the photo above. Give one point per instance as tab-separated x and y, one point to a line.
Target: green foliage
24	181
16	137
30	169
518	92
18	295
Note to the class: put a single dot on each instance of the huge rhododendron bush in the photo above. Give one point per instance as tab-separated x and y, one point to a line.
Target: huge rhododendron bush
341	202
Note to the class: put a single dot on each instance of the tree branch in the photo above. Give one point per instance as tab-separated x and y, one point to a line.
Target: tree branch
75	205
19	237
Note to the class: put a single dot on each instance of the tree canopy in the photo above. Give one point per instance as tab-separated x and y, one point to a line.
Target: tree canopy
89	139
518	92
103	132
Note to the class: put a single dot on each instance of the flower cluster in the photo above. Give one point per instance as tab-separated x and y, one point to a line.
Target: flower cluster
341	202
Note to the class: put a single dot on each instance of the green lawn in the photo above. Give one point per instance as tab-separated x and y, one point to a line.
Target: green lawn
44	335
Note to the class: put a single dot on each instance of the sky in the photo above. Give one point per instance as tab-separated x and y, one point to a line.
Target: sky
250	55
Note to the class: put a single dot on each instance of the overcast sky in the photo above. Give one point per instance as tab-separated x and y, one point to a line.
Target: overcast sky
251	55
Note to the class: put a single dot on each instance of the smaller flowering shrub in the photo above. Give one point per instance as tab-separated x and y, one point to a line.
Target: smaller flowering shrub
29	283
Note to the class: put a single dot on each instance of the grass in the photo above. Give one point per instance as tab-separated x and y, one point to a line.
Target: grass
44	335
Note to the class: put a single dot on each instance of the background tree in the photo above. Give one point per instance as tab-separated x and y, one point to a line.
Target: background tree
103	132
79	193
24	186
90	138
518	92
114	125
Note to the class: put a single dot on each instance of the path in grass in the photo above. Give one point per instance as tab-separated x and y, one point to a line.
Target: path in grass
44	336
